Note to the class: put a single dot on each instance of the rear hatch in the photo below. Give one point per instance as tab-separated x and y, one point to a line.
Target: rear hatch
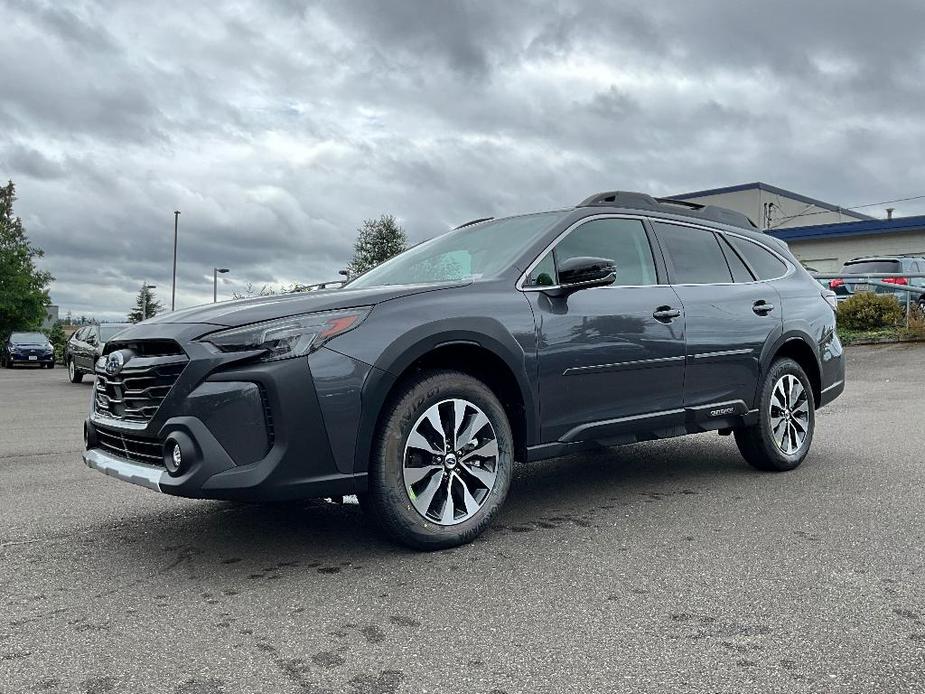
884	266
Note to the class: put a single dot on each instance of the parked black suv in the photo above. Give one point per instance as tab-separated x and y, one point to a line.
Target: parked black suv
896	266
27	348
85	346
419	383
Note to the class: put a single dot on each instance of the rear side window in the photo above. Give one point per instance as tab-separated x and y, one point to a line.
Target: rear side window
764	264
695	255
740	273
623	241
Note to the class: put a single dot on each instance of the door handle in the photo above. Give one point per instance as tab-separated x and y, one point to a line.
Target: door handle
666	313
762	308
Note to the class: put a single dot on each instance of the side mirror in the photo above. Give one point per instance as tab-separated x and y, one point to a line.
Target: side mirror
583	272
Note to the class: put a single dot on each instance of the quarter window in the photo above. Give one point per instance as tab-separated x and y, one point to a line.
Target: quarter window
623	241
764	264
695	255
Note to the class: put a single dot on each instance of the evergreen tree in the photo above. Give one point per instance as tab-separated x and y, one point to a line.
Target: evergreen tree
146	305
377	241
23	288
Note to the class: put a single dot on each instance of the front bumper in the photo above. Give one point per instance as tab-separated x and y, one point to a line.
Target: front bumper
247	430
28	359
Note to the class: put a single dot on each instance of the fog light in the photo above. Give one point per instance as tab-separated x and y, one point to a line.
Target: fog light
174	458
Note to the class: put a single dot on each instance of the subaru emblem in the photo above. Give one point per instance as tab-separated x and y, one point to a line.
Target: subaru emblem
114	363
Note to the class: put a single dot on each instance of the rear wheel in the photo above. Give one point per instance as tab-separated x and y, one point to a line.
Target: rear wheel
442	461
74	374
781	438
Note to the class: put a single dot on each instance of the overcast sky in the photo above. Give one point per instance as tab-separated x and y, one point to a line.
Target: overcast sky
276	127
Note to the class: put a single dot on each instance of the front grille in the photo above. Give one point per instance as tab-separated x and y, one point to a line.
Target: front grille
134	393
130	446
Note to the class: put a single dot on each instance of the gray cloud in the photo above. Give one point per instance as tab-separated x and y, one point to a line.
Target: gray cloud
277	127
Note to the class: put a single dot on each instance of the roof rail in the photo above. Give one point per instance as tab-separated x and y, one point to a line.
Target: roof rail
474	221
642	201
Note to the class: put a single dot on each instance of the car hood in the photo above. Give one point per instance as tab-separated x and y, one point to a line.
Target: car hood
244	311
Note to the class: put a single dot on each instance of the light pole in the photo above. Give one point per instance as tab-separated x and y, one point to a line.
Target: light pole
173	292
145	288
215	272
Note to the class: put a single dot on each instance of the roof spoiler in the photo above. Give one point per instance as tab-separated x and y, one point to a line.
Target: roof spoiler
474	221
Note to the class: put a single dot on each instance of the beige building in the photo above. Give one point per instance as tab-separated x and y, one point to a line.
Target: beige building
826	247
821	235
770	207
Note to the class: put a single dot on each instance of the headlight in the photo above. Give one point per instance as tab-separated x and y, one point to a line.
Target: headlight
288	337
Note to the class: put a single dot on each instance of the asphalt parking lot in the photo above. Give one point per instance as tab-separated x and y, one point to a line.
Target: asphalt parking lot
658	567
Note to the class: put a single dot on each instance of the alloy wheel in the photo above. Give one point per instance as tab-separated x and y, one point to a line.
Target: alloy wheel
70	368
450	462
789	414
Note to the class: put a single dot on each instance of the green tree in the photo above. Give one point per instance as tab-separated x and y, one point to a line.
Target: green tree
58	339
146	305
23	287
377	241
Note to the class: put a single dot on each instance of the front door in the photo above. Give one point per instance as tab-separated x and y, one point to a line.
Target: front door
610	358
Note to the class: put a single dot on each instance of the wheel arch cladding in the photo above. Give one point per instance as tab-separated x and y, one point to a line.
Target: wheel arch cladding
797	347
475	355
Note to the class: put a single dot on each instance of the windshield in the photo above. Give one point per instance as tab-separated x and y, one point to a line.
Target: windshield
482	250
107	331
28	338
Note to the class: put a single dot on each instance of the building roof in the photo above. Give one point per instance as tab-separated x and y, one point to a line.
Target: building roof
774	190
866	227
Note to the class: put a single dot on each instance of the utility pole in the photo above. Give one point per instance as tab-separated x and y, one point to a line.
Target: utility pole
215	272
173	292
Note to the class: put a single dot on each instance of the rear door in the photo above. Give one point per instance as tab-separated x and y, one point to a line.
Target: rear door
75	345
730	314
86	347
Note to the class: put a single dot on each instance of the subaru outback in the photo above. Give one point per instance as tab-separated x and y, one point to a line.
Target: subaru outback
419	383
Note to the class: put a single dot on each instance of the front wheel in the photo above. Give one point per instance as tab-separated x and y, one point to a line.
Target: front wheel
442	461
74	374
781	438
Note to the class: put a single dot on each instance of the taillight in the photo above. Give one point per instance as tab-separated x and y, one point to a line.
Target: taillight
895	280
831	300
834	284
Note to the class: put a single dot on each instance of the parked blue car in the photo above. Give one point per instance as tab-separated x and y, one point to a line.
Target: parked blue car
27	348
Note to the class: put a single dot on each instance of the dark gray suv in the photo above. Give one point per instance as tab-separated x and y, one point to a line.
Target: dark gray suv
418	384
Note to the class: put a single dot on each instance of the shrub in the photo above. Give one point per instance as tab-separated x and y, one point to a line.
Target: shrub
916	323
869	311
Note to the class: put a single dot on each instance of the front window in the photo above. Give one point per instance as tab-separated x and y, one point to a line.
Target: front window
484	250
623	241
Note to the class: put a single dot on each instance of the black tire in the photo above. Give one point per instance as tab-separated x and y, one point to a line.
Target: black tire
388	503
757	443
7	364
74	374
50	366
